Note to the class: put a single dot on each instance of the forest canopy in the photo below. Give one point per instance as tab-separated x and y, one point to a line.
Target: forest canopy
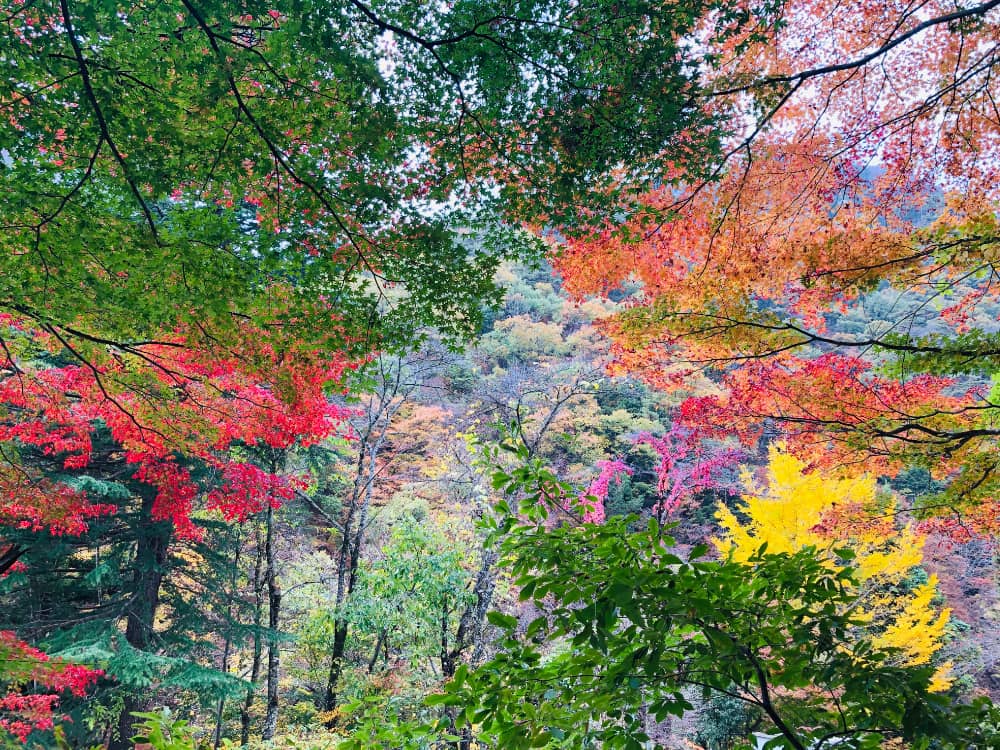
499	374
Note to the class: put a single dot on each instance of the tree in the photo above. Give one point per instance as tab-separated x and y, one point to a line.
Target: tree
796	509
723	722
864	159
143	596
202	162
632	622
21	714
136	475
686	465
396	381
215	206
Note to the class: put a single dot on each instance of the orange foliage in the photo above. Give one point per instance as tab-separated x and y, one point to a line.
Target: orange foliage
862	149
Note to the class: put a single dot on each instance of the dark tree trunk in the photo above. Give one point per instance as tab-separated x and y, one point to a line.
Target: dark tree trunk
350	557
378	649
10	556
258	593
469	632
336	668
221	705
236	542
147	576
273	621
385	403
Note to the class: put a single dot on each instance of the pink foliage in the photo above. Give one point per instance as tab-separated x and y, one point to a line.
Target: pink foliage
687	464
592	501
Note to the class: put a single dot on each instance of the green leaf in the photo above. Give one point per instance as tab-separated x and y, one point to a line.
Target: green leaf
500	620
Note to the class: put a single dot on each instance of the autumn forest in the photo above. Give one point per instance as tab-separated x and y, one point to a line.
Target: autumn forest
500	374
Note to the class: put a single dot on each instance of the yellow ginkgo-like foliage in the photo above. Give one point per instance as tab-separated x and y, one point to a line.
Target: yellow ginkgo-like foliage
795	508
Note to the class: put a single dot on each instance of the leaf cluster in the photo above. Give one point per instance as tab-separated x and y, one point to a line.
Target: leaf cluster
629	621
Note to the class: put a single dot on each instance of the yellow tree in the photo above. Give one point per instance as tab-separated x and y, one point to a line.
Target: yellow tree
796	508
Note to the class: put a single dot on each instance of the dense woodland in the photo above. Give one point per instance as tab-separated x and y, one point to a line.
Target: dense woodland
488	374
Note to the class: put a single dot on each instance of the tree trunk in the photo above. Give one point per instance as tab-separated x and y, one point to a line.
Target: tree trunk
147	575
10	556
390	396
470	631
336	668
378	649
236	542
221	706
350	557
273	621
258	592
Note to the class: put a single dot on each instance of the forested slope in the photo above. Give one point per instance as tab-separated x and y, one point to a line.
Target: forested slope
368	582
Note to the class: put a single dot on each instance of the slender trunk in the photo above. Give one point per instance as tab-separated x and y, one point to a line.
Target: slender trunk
147	576
344	566
449	659
772	714
381	409
470	631
341	626
258	593
237	546
10	556
336	667
347	569
273	621
221	706
471	626
375	653
447	655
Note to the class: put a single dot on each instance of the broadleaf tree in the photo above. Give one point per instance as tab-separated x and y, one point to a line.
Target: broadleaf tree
215	207
862	168
627	628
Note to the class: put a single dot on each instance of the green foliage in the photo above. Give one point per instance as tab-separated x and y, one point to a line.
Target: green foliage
78	591
530	294
379	725
629	497
406	597
520	339
59	735
642	625
916	482
163	731
417	580
973	352
187	163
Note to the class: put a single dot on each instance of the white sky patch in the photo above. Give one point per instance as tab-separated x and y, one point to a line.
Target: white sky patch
387	53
